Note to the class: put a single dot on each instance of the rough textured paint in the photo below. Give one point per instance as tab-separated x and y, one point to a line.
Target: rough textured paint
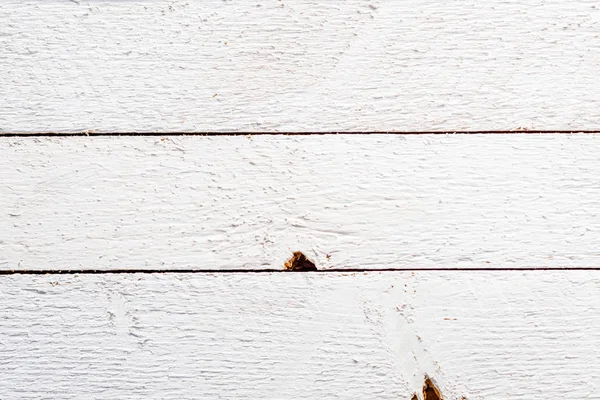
220	203
300	65
376	201
530	335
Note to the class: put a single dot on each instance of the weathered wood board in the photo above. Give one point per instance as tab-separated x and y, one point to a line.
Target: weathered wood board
529	335
299	65
346	201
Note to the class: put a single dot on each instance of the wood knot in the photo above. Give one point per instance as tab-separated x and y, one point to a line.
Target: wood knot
299	262
430	392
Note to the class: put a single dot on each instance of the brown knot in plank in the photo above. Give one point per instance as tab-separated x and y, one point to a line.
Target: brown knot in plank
299	262
430	392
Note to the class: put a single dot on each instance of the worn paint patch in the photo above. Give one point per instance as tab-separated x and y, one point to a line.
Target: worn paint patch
299	262
430	392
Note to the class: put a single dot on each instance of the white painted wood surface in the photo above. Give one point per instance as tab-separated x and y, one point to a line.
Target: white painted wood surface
376	201
530	335
298	65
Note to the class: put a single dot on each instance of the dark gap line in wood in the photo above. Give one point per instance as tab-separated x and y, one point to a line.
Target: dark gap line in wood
269	270
249	133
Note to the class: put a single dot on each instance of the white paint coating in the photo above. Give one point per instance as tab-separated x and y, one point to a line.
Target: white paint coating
299	65
530	335
376	201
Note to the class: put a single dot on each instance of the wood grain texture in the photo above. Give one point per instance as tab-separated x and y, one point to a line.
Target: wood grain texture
301	65
346	201
530	335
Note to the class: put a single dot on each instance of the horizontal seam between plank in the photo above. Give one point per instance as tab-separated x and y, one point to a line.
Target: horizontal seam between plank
267	270
167	133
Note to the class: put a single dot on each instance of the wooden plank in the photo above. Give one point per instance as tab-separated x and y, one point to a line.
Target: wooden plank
305	65
346	201
484	335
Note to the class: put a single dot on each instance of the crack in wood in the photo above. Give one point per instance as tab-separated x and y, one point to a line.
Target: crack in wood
274	270
249	133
